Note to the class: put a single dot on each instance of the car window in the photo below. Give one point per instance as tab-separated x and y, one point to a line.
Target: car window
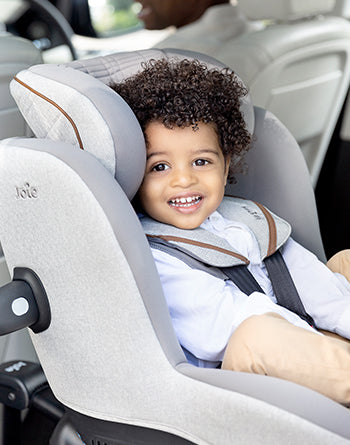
111	17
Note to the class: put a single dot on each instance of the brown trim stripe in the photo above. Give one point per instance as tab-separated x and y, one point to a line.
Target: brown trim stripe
272	229
199	244
75	129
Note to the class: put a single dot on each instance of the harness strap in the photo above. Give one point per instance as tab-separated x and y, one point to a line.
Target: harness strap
281	280
243	279
284	287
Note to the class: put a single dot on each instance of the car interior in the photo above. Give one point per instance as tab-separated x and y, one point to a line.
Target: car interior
93	354
302	61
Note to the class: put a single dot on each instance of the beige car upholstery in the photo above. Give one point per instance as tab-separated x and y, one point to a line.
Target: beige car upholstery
298	68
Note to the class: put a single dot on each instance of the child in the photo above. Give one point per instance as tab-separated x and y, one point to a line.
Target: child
196	138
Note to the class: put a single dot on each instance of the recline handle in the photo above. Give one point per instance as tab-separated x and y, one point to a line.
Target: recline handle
24	303
18	308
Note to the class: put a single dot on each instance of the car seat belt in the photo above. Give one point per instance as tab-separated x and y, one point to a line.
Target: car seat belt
281	280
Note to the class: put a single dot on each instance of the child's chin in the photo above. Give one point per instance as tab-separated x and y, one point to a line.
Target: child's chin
181	223
186	225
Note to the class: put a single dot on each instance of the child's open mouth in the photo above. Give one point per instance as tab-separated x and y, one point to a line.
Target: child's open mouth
184	202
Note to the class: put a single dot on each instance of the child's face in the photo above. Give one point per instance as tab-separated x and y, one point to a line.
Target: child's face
185	174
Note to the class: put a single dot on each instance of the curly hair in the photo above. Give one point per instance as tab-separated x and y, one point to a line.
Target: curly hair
182	93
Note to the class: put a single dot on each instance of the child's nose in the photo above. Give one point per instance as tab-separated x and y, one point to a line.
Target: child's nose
183	177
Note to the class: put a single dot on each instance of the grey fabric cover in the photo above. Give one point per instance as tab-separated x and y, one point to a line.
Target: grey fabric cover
81	236
60	103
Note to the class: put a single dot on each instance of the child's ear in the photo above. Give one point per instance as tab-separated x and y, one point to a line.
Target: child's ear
227	167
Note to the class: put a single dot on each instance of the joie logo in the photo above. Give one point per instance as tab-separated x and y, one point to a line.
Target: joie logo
254	213
15	367
26	191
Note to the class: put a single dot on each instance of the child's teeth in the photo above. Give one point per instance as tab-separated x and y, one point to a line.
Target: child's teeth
185	202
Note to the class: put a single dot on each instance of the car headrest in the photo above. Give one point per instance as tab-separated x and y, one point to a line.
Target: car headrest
342	8
284	10
73	103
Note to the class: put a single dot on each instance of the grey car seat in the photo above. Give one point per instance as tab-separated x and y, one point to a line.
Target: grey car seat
98	318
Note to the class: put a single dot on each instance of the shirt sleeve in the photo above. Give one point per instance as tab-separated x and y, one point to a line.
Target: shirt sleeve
325	295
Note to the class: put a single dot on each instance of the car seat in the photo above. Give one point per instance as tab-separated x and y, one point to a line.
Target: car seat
97	315
297	67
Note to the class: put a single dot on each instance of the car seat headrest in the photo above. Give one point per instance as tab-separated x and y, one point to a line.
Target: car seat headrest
284	10
117	67
63	104
73	103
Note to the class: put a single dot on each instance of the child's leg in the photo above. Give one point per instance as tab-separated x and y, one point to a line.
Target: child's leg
270	345
340	262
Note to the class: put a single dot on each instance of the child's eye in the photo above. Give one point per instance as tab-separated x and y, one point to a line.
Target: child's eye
200	162
159	168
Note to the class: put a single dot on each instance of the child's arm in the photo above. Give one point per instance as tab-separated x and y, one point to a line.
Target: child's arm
325	295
